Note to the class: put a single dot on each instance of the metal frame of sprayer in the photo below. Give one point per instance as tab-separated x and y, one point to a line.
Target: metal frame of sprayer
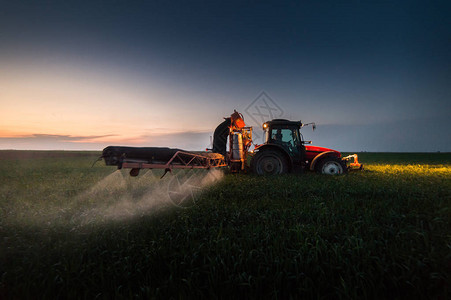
240	140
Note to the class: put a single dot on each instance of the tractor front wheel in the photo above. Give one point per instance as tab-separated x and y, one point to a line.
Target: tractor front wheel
269	162
331	165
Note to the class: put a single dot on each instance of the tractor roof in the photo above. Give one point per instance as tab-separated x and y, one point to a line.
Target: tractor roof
283	122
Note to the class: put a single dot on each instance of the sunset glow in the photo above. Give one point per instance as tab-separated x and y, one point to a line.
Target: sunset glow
86	106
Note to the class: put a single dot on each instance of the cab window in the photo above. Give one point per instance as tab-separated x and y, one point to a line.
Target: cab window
286	137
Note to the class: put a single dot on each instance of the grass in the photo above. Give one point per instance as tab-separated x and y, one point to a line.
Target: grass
381	233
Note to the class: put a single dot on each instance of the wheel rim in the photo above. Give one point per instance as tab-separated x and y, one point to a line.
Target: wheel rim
269	165
332	168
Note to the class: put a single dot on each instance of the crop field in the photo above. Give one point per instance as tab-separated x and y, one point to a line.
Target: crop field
69	230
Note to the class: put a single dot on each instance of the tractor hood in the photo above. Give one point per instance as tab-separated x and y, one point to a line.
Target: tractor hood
312	151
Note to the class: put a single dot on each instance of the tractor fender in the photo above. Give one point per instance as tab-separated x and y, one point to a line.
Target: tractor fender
280	149
319	156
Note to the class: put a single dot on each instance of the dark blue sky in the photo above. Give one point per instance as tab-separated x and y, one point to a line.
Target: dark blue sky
360	69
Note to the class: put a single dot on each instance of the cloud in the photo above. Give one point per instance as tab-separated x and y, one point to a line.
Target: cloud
67	138
188	140
39	141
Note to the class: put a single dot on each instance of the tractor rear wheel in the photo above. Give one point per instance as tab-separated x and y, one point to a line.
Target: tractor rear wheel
269	162
331	165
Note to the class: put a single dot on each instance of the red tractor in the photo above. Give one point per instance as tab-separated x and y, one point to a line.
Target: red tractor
285	151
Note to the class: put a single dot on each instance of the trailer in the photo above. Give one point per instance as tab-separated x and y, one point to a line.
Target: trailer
135	158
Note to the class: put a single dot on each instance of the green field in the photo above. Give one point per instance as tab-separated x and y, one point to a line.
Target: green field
71	231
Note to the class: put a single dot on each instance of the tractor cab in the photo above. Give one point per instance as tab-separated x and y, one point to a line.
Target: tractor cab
285	134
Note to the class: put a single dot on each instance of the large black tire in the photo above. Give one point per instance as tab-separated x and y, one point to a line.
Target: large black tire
269	162
331	165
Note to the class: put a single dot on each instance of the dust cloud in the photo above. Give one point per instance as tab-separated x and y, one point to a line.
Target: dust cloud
120	196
